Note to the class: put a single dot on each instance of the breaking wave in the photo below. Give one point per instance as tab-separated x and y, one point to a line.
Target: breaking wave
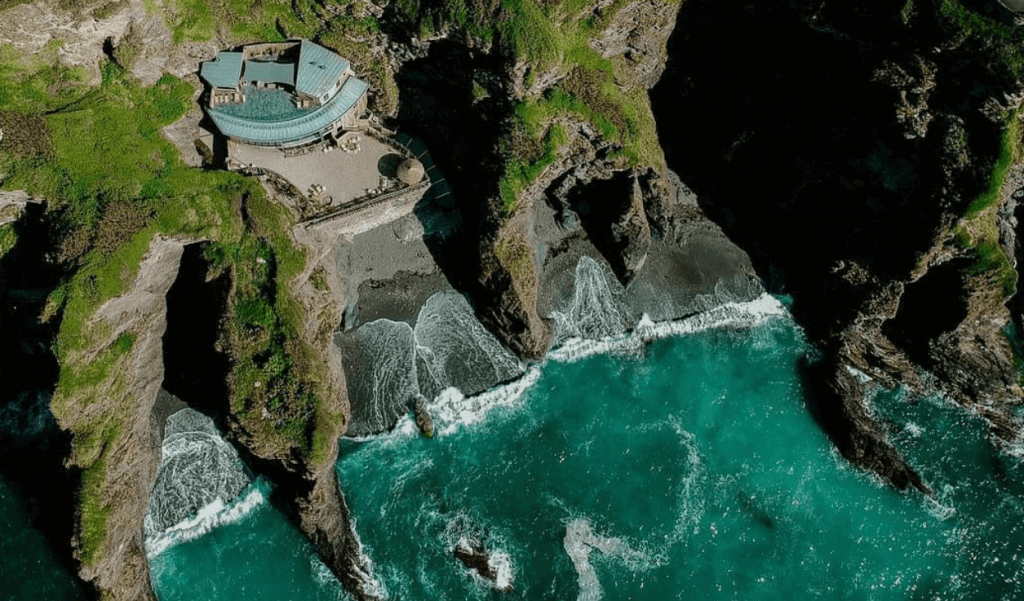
200	474
449	354
216	513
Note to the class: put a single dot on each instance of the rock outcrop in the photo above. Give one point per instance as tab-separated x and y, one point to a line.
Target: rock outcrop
130	414
82	35
852	193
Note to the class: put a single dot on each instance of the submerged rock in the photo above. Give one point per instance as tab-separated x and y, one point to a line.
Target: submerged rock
473	555
423	419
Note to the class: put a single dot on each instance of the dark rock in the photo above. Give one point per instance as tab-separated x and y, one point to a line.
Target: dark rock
423	419
473	555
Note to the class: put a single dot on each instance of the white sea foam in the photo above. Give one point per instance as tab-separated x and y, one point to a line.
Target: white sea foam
574	349
497	559
729	315
861	377
452	410
501	563
214	514
363	567
691	499
580	541
326	580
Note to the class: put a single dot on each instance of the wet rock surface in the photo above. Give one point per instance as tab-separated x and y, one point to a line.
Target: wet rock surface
843	185
473	555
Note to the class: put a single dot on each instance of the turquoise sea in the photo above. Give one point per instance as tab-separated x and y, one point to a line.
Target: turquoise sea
30	570
686	467
690	471
249	550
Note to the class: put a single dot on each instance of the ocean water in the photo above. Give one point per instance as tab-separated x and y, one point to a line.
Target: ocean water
686	468
241	551
210	532
676	462
30	571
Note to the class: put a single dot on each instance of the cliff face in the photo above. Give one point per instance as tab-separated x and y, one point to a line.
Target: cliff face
852	187
851	176
82	33
124	425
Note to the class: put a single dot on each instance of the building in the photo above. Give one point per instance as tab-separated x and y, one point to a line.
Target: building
283	94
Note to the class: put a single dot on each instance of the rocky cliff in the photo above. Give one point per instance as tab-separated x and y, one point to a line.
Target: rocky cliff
877	191
856	177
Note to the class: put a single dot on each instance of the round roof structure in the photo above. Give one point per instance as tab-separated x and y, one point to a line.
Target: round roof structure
411	171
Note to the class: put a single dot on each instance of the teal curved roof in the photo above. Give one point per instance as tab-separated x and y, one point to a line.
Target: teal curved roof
319	69
223	71
300	129
270	72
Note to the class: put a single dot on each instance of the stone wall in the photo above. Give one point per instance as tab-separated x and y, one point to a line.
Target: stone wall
363	216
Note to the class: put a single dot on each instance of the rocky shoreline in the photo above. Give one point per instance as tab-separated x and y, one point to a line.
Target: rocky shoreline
864	227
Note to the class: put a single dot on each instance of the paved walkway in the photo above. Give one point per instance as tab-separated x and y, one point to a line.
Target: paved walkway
346	176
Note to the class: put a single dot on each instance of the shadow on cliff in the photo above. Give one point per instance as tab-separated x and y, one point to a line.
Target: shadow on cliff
793	147
196	371
437	105
33	448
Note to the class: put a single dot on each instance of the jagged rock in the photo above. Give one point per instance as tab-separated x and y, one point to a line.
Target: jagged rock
473	555
914	80
423	419
837	403
12	203
631	233
568	220
637	34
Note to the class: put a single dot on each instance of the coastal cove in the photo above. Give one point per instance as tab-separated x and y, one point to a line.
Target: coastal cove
669	483
348	300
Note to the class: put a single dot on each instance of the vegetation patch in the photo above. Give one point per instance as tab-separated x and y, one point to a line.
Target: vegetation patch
513	253
94	513
87	378
93	444
318	278
1011	152
268	390
521	169
8	238
1009	40
979	229
116	183
263	20
588	93
25	135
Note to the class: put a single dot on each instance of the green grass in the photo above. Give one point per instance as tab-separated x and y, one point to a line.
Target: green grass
93	443
513	252
94	513
92	375
990	260
1008	39
260	21
8	238
620	117
1011	151
979	230
520	174
118	183
530	32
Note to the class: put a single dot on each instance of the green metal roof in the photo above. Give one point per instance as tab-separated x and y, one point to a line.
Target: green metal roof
270	72
223	71
293	131
319	69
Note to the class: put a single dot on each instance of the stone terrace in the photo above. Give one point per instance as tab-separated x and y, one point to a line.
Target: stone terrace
345	176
